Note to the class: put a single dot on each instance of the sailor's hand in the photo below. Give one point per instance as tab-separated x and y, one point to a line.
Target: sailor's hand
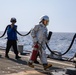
35	42
49	35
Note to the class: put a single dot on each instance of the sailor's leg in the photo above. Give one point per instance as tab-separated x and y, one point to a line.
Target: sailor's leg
44	59
33	56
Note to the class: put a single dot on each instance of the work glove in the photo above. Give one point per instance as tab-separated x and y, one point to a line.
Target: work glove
49	35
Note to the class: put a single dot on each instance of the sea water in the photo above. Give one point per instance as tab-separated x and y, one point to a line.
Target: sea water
58	42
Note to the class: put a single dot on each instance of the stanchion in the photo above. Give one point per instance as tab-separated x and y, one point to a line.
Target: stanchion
20	49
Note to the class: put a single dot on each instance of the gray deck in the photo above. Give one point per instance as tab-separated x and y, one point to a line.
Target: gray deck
19	67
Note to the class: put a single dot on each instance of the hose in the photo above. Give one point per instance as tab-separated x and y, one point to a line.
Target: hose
66	50
4	32
21	34
16	31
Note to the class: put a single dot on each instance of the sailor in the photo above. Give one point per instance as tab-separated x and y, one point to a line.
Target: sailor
12	38
39	34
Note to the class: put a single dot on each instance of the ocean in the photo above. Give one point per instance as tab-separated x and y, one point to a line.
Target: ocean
58	42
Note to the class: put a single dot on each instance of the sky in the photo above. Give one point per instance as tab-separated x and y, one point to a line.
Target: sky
62	14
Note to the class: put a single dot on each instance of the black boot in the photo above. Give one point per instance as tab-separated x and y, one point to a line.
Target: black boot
17	57
7	56
36	62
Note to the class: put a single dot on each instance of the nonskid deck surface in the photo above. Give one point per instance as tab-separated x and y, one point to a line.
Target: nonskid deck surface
19	67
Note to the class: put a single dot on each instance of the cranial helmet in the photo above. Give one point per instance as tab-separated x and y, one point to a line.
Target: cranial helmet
13	20
45	18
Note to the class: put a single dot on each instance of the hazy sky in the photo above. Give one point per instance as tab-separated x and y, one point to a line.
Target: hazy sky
62	14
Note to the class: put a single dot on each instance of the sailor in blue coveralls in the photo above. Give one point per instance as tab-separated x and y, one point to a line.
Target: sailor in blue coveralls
12	38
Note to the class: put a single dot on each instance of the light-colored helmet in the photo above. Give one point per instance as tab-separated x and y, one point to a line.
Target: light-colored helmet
13	20
45	18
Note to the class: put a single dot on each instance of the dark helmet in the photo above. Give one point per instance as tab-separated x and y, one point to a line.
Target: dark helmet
13	20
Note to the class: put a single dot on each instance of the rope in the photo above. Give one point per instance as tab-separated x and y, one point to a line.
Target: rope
66	50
